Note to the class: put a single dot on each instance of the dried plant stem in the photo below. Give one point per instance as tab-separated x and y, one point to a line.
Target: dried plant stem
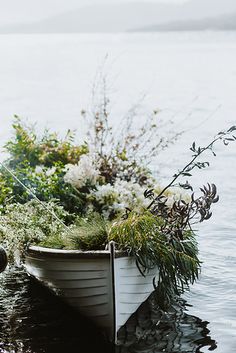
186	168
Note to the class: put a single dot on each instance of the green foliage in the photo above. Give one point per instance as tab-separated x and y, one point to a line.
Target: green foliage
90	233
22	225
27	148
24	146
176	259
54	168
5	191
86	233
40	165
108	180
45	185
59	240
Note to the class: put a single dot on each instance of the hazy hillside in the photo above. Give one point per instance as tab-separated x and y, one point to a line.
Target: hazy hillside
118	17
102	18
226	22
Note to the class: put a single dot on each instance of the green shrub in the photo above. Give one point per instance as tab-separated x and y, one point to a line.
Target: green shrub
30	223
90	233
60	240
111	177
27	147
176	259
39	163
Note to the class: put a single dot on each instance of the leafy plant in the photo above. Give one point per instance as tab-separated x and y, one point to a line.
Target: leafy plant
183	215
60	240
23	225
90	233
163	235
176	259
226	137
44	224
27	148
39	163
92	184
46	184
58	168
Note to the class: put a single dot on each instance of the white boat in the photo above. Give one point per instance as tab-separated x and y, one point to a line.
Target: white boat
105	286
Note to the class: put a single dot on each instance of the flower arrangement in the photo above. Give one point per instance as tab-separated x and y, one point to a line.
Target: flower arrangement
86	195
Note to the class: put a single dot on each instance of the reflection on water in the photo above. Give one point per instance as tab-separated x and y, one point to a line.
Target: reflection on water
150	330
32	320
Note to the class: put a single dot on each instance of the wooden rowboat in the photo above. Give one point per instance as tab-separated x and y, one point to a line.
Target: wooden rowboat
105	286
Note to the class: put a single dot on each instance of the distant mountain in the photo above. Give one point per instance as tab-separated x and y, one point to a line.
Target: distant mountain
100	18
226	23
125	16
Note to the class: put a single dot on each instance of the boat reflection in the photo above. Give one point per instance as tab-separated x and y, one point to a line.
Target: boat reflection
150	330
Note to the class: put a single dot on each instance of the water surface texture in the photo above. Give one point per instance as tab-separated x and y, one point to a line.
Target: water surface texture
191	77
33	320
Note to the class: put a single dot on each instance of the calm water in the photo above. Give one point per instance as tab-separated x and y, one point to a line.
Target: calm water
191	77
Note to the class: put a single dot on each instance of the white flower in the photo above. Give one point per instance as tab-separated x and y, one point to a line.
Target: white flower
50	171
130	193
115	198
39	169
104	193
78	175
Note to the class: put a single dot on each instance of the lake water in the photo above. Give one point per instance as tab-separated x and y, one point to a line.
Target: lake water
191	77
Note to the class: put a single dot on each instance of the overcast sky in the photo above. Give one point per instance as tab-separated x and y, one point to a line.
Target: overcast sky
17	11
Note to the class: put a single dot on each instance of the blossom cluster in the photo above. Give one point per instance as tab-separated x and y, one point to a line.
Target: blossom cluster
42	170
83	173
110	189
115	198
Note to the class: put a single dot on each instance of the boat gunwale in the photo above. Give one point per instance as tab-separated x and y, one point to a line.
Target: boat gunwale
40	252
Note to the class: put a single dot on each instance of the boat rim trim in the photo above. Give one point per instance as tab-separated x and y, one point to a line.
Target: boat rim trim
38	251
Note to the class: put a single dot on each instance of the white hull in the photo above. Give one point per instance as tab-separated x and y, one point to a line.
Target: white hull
105	286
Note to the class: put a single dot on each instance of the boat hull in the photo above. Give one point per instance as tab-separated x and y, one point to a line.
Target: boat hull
105	286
